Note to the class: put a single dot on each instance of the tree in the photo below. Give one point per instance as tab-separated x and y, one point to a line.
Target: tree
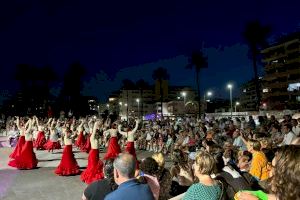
256	36
142	85
160	74
198	61
70	92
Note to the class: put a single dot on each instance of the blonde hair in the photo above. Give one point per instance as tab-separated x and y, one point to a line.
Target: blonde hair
205	163
159	158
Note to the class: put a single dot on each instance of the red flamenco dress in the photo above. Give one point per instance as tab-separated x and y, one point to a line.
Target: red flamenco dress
87	146
18	148
94	170
130	148
52	143
113	149
80	142
68	165
26	159
40	141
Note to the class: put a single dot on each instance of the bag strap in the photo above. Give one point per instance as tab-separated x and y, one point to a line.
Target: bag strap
222	189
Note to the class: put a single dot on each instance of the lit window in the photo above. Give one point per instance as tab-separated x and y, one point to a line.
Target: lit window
293	86
266	90
244	90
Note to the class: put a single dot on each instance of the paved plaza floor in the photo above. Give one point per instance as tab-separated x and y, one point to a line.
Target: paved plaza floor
42	183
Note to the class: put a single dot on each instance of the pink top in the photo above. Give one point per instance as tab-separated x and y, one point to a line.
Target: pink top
153	184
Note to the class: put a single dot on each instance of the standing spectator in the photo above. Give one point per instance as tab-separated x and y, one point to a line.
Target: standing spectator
129	188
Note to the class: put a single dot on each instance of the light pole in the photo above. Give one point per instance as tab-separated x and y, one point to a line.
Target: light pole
229	86
138	102
208	94
121	109
126	112
184	95
236	104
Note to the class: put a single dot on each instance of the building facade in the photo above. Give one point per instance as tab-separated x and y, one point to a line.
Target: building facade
281	87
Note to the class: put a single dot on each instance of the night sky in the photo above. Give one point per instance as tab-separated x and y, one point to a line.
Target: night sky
115	40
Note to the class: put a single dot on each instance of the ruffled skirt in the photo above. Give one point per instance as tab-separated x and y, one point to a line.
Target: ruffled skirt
40	141
80	142
94	170
68	165
50	145
18	148
26	159
113	149
130	148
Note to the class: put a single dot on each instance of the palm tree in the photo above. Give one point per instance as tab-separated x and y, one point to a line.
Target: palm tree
256	35
198	61
160	74
142	85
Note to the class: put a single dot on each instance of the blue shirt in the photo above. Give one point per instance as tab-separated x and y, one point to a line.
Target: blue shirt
131	190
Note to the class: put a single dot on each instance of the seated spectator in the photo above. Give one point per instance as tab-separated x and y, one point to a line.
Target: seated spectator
206	188
148	175
288	134
99	189
164	177
181	173
259	163
129	188
285	180
231	178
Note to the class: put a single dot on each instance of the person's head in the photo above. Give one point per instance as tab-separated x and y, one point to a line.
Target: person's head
275	128
254	145
109	173
149	166
286	128
294	122
205	163
160	159
286	173
178	157
124	167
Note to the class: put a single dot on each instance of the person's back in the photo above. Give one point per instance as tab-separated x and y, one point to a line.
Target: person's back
131	190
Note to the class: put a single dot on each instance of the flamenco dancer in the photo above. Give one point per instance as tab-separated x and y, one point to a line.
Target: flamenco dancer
68	165
94	170
130	138
53	142
80	142
41	139
87	146
113	149
21	140
27	158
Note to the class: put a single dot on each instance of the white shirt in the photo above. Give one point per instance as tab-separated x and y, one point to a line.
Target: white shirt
296	130
288	138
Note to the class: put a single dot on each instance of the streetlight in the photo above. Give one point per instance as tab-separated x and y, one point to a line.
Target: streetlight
184	95
138	101
236	104
229	86
208	94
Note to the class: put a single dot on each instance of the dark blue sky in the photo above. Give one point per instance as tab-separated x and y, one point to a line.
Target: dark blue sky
128	39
